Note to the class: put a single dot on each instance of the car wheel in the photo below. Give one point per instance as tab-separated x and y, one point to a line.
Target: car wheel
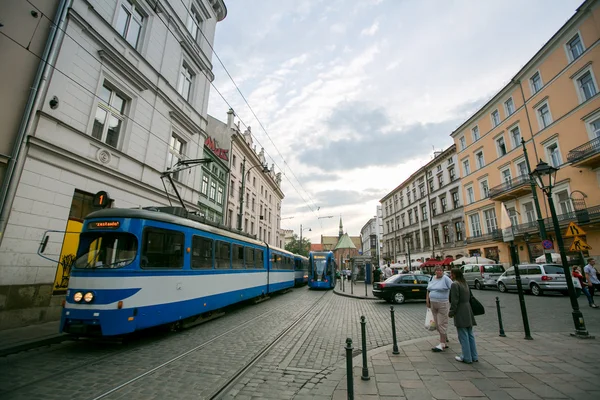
399	298
535	290
502	287
478	285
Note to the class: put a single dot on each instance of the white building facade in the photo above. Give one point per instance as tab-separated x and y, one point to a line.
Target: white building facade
424	215
368	237
126	101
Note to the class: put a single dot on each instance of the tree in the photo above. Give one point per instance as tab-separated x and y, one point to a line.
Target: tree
295	247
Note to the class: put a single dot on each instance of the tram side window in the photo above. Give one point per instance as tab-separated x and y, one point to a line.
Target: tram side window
250	258
162	248
260	259
276	261
222	256
202	253
237	260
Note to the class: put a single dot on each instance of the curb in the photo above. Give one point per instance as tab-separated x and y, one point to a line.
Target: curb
34	344
353	296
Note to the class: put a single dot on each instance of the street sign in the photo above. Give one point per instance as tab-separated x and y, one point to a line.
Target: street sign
574	230
547	244
579	245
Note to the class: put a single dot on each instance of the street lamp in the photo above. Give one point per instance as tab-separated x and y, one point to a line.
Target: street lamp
545	177
407	243
244	172
302	244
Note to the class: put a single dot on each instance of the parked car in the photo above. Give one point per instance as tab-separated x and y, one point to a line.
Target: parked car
537	278
399	288
481	276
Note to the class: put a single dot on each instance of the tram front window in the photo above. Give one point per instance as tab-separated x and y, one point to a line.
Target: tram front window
320	268
106	250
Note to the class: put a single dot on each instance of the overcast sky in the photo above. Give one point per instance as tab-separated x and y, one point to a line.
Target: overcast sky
357	94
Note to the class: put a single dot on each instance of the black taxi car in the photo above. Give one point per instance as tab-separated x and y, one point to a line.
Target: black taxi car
399	288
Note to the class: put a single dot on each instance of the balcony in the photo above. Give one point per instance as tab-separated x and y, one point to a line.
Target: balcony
511	188
586	155
496	235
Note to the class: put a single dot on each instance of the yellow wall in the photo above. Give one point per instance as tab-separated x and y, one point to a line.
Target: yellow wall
69	250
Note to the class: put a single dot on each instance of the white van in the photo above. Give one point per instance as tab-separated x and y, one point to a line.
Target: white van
481	276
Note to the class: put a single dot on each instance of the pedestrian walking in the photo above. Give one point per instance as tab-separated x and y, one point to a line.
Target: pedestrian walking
377	275
591	276
464	320
584	287
387	271
438	292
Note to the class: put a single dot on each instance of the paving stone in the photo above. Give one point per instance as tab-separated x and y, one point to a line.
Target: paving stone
521	393
465	389
411	384
389	389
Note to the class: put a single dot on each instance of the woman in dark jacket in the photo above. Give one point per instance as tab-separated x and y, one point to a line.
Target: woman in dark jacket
464	320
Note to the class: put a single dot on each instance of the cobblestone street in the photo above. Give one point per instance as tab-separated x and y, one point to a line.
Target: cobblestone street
303	363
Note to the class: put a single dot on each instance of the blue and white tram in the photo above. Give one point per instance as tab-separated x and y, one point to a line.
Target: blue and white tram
139	268
321	270
301	268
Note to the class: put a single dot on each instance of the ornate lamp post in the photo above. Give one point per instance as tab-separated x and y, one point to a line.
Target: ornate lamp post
545	177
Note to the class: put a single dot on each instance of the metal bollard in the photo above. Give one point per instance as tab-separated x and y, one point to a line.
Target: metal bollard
349	372
351	285
366	294
365	369
395	348
500	317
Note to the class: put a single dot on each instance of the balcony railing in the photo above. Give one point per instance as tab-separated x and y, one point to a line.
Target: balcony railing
496	234
584	151
522	181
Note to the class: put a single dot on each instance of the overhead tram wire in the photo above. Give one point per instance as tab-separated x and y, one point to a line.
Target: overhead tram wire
151	106
248	104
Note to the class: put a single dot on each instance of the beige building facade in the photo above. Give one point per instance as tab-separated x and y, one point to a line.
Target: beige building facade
549	111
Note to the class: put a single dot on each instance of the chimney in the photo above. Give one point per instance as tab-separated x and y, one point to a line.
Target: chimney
230	115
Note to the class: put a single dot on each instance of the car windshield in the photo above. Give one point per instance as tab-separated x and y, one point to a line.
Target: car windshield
106	250
554	269
392	278
493	268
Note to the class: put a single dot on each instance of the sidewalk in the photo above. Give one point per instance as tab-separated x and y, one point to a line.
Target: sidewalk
355	290
554	366
25	338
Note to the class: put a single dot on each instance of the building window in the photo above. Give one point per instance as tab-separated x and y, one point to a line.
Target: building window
575	47
231	188
458	230
475	225
431	185
595	127
446	233
110	115
495	118
515	135
417	240
402	218
194	22
490	220
441	180
433	208
564	202
475	133
506	177
512	214
436	236
220	197
536	82
485	190
175	154
501	146
424	212
479	160
452	174
410	217
470	195
522	169
509	106
426	240
444	203
463	143
553	154
186	78
466	167
455	200
130	22
587	88
204	188
529	213
422	191
544	116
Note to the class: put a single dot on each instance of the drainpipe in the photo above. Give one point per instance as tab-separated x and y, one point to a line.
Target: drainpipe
540	220
36	93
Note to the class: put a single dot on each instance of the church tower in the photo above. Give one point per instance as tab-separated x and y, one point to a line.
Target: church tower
341	229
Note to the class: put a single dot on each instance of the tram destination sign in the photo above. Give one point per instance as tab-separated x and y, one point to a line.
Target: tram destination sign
104	225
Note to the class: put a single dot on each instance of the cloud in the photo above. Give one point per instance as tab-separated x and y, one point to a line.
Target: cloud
318	177
370	31
338	28
292	62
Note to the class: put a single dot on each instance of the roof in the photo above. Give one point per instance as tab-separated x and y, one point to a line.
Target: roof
345	243
316	247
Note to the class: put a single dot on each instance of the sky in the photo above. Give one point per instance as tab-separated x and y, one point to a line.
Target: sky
353	96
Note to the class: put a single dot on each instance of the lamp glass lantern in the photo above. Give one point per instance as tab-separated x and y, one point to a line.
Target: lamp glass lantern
544	175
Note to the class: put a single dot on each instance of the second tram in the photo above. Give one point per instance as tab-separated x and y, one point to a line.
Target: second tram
321	270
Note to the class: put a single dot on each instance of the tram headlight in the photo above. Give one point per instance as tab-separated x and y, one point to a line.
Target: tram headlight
77	297
89	296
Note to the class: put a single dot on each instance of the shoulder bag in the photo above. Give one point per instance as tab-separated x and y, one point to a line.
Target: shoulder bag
476	306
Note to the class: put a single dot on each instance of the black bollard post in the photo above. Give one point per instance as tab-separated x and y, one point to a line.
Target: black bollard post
395	348
351	285
366	294
363	329
500	318
349	372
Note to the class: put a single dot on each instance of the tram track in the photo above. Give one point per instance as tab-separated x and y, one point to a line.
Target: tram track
230	382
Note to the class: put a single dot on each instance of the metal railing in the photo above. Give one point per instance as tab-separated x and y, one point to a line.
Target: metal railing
584	151
509	185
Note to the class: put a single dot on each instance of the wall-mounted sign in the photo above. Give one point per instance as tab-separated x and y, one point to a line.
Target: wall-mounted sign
101	199
212	144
